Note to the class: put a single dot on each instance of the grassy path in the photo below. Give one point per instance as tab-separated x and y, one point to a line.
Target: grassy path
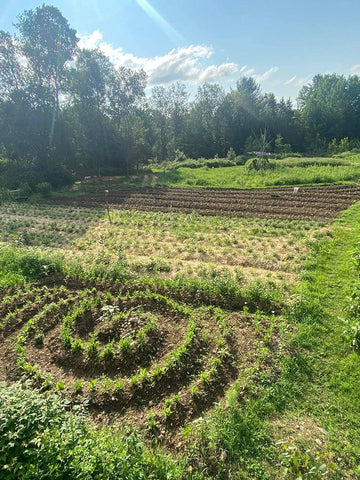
332	392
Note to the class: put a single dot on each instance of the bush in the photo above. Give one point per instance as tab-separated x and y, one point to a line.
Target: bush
25	190
59	176
231	155
19	266
44	188
262	163
40	439
179	156
240	160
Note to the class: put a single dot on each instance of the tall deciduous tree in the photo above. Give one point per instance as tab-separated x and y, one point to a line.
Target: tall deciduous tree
48	43
325	105
203	131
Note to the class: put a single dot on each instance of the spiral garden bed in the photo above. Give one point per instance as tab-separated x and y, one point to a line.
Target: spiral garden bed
137	355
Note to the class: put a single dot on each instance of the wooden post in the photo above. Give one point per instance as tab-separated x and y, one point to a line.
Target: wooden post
107	205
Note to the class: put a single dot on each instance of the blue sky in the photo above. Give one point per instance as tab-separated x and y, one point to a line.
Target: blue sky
283	44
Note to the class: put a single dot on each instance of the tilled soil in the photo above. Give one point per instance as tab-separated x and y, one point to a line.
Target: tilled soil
304	203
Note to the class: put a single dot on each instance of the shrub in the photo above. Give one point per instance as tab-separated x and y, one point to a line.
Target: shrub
25	190
179	156
19	266
231	155
261	163
44	188
40	439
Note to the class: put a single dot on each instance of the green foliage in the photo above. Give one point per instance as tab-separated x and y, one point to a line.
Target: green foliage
284	172
239	436
44	188
77	346
281	147
298	464
352	332
352	320
92	346
21	265
39	439
179	156
261	163
231	155
25	190
108	351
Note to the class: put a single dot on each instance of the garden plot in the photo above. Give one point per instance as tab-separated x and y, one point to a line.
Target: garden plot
176	244
44	225
133	354
317	203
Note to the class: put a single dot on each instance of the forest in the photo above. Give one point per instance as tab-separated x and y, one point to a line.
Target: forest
67	112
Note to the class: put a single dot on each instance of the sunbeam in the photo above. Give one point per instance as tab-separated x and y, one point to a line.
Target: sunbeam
170	31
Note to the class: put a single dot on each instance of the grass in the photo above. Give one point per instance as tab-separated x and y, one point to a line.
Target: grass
289	172
41	225
332	396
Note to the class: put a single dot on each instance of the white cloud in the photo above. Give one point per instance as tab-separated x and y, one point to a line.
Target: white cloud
355	69
189	64
290	81
184	64
266	75
249	71
218	71
298	82
90	41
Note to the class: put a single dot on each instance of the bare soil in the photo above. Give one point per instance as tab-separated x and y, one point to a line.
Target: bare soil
316	203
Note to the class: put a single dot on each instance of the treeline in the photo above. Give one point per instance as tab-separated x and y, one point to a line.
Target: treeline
66	111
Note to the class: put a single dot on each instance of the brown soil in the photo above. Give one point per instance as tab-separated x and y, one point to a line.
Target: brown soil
317	203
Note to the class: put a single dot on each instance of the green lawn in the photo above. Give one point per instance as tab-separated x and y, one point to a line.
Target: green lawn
290	171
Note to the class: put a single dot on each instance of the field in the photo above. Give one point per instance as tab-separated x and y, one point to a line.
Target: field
179	315
319	203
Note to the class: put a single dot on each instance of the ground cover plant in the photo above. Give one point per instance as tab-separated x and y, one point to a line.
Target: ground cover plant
38	225
289	171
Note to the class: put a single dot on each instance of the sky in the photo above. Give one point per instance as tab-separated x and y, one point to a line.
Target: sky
281	43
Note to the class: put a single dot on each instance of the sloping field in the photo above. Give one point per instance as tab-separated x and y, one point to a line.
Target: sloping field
317	203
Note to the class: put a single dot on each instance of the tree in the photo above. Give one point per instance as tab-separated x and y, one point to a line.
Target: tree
47	43
33	70
169	112
280	146
126	90
89	81
323	104
203	126
11	78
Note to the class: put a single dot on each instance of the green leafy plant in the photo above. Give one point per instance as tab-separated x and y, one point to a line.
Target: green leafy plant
299	463
78	386
108	351
92	346
118	387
